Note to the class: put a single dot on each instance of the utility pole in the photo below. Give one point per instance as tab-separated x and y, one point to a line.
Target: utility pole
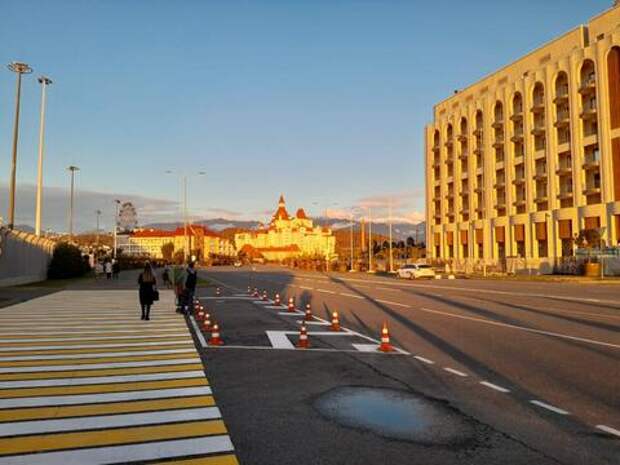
185	241
44	81
19	69
72	169
351	267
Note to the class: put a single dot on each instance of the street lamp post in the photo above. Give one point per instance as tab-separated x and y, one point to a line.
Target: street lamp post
71	169
98	213
370	270
117	205
19	69
390	233
44	81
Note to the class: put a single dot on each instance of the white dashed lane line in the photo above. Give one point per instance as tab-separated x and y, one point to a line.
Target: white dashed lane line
609	429
306	287
344	294
425	360
494	386
455	372
549	407
325	291
389	302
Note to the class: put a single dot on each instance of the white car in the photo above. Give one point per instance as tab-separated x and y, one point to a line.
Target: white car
415	272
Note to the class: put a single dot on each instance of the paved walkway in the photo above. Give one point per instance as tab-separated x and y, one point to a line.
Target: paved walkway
84	381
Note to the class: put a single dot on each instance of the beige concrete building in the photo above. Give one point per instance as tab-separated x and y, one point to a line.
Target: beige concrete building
521	161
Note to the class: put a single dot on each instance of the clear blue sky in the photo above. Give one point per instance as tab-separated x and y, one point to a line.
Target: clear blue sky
324	101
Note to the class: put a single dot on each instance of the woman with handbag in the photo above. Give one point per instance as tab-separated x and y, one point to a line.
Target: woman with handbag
148	291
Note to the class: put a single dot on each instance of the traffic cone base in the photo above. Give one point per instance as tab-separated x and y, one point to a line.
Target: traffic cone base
215	339
335	322
385	345
303	342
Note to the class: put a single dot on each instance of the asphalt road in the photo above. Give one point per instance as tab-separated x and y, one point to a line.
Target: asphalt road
532	369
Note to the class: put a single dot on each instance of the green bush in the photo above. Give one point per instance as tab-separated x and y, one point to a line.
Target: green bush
67	262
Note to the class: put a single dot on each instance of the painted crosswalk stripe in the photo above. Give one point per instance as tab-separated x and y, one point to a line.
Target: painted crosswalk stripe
96	355
111	408
101	398
49	442
109	421
127	453
94	337
99	380
85	372
176	341
141	357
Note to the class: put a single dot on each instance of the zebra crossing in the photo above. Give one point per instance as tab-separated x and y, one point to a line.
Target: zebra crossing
84	381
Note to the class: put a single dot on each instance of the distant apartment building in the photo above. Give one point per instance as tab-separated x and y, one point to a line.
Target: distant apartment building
287	237
206	242
520	162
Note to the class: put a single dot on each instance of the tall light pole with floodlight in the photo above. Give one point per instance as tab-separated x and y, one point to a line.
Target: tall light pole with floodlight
72	169
117	206
19	69
44	81
98	213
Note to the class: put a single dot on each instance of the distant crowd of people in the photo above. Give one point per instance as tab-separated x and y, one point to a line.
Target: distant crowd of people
108	267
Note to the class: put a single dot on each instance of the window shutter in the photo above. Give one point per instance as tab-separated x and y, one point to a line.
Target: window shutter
479	236
592	222
566	229
519	232
437	239
450	238
541	231
464	236
499	234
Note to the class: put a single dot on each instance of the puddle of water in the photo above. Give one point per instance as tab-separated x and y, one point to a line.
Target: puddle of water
394	414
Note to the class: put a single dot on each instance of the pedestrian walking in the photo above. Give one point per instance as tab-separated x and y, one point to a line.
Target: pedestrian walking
191	278
116	268
166	276
148	290
108	269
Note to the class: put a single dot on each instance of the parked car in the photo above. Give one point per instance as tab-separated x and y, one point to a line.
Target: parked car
238	264
415	271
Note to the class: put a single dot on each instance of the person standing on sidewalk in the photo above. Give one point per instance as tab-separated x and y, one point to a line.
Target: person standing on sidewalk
148	291
191	278
108	269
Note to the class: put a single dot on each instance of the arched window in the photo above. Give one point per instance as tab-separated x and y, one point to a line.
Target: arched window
613	75
499	113
517	103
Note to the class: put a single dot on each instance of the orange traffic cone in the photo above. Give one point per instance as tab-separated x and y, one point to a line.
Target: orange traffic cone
335	322
264	298
291	305
308	316
217	291
215	340
207	322
277	299
303	342
385	345
256	292
249	290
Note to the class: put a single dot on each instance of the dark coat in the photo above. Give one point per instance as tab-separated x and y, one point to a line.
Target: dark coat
146	290
192	278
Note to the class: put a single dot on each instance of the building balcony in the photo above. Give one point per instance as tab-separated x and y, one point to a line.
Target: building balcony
449	143
538	130
437	164
519	203
463	156
588	86
564	170
435	148
462	137
478	132
499	184
590	165
563	120
517	137
540	176
500	204
565	195
591	190
478	189
517	115
498	142
497	124
518	181
561	96
478	150
538	107
450	195
541	198
588	112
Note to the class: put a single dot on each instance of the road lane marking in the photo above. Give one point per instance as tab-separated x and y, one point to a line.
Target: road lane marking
279	340
307	288
494	386
522	328
71	381
344	294
549	407
609	429
4	342
103	398
389	302
185	340
88	361
108	421
197	331
425	360
456	372
325	291
96	355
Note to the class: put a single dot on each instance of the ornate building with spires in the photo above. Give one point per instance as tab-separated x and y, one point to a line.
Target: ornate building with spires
287	237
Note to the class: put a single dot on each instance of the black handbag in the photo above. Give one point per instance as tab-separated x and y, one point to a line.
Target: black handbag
155	295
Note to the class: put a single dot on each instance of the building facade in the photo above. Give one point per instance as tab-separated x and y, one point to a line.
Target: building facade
288	237
520	162
150	242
